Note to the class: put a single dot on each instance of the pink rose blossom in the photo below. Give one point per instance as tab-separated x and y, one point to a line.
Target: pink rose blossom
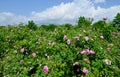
34	54
68	41
102	37
85	60
65	37
76	63
76	38
108	49
87	51
83	52
53	43
37	42
26	53
91	52
49	43
78	70
107	62
22	50
25	68
86	38
85	70
84	31
46	55
30	30
31	68
21	61
45	69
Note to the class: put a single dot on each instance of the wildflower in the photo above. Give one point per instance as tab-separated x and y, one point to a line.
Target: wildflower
86	38
26	53
34	54
91	52
21	61
68	41
65	37
85	70
84	31
53	43
40	64
78	70
76	63
15	51
85	60
76	38
45	69
30	30
55	30
25	68
22	50
31	68
49	43
83	52
107	62
87	51
108	49
46	55
14	46
76	67
102	37
37	42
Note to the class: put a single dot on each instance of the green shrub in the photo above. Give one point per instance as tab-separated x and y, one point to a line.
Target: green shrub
31	25
64	50
99	25
82	21
116	21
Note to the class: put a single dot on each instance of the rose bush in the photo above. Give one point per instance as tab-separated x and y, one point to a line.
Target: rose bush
58	52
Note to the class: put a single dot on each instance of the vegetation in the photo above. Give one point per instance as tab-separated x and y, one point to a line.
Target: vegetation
84	50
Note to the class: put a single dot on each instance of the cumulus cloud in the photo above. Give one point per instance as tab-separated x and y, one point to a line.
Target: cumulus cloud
10	18
63	13
100	1
110	13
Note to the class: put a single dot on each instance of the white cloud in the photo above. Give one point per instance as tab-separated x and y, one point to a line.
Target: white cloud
110	13
63	13
10	18
100	1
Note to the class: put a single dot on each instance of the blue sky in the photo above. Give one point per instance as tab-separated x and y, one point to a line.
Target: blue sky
55	11
25	7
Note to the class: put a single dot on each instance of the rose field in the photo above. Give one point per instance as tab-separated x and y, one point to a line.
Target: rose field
84	50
